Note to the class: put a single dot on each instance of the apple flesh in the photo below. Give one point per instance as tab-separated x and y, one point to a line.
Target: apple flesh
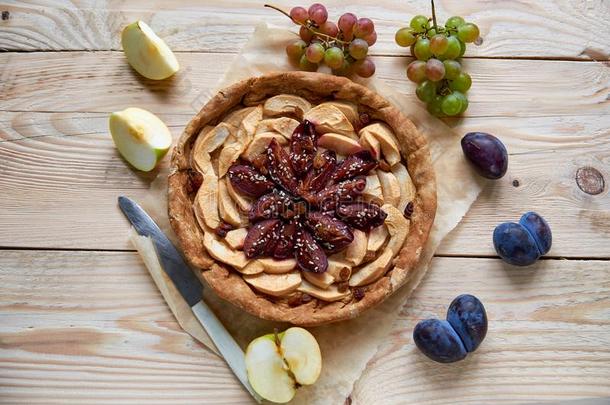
277	363
148	54
140	136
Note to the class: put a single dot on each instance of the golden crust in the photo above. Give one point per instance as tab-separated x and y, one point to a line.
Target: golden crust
316	88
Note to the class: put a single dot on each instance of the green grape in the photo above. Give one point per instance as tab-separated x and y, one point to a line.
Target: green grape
453	49
426	91
346	69
435	70
451	105
358	48
462	49
404	37
431	32
333	57
468	32
438	44
453	23
422	49
419	23
416	71
463	99
452	69
461	83
305	64
315	52
295	50
434	106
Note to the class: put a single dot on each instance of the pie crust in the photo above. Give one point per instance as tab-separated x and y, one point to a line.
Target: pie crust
340	293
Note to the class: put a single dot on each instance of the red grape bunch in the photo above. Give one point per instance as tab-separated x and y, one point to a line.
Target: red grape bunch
343	47
441	81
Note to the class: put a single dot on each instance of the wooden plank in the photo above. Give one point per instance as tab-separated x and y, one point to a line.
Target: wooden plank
548	28
547	340
81	327
104	82
64	176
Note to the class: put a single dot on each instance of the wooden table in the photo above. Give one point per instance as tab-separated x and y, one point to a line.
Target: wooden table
82	322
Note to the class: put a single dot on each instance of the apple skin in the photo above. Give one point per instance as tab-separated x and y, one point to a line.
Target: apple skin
148	54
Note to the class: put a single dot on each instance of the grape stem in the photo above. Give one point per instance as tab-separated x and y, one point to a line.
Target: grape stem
319	34
434	16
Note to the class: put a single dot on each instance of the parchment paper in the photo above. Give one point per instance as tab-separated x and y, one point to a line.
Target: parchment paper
346	346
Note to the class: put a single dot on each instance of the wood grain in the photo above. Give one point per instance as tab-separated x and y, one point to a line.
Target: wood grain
545	29
104	82
76	323
547	340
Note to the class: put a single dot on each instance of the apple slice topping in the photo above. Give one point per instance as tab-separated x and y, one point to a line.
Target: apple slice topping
356	251
260	143
286	104
398	228
330	294
140	136
350	110
390	187
341	144
407	188
284	126
236	237
372	271
148	54
389	145
275	364
373	193
328	118
277	285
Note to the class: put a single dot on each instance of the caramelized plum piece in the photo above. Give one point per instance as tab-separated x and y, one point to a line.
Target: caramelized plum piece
324	165
354	165
345	192
333	234
280	169
285	243
362	216
309	255
303	148
247	180
272	205
261	238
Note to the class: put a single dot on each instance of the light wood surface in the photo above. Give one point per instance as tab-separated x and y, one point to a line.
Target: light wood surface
90	327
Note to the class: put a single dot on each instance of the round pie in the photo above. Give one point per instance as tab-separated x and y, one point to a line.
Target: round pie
302	197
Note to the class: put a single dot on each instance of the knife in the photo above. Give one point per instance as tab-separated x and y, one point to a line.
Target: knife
190	288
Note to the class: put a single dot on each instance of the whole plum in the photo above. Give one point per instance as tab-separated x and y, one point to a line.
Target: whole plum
486	153
468	317
439	341
523	243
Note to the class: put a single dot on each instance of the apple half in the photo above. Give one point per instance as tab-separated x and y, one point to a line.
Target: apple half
148	54
277	363
140	136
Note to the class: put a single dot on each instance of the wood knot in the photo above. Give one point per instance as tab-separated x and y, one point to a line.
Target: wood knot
516	183
5	15
590	180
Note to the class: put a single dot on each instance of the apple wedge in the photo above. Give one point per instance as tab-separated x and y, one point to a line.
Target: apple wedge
140	136
236	145
276	285
236	237
148	54
286	104
283	125
223	253
341	144
321	280
328	118
372	271
372	193
350	110
275	364
407	188
207	143
330	294
235	117
389	145
390	187
398	228
340	270
356	250
260	143
227	208
243	202
273	266
206	202
370	143
377	237
253	267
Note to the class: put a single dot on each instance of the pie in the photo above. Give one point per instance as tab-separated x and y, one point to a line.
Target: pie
302	197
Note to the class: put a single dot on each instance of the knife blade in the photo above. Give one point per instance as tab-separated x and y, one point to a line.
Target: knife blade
190	288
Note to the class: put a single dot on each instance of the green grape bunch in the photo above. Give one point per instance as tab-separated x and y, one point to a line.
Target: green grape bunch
343	46
441	81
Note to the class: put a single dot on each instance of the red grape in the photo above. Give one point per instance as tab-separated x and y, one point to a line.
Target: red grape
416	71
358	48
346	22
435	70
365	68
371	38
329	28
296	49
363	27
299	14
314	52
317	13
305	34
